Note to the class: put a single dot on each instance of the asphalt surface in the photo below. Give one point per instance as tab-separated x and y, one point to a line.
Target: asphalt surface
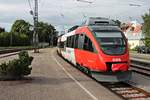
53	78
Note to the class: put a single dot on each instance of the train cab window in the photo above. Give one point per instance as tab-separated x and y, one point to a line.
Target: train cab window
88	44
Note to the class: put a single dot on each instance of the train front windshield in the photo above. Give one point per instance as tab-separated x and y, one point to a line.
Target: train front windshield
111	43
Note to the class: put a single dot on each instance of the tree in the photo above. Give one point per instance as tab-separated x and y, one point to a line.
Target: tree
21	33
146	29
20	27
46	32
4	39
2	29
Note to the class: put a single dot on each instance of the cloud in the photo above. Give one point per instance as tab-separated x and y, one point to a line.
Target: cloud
73	12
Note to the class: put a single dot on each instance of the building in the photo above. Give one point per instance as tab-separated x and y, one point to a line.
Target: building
133	32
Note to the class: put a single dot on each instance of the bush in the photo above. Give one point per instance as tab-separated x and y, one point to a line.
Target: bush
17	67
20	40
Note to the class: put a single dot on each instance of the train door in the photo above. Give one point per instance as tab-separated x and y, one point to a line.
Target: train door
79	48
70	49
89	53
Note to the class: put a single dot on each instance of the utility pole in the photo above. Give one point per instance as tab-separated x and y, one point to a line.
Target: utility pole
35	34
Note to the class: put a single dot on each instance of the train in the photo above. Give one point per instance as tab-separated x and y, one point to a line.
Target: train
99	48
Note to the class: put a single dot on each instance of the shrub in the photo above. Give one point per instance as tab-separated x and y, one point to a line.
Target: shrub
17	67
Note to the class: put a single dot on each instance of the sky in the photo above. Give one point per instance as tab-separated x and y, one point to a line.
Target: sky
66	13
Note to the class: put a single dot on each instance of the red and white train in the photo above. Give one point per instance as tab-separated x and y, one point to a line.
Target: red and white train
99	47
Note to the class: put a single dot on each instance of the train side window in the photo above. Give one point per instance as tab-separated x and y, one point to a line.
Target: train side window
61	44
64	44
88	45
68	41
80	41
91	46
76	41
72	41
85	45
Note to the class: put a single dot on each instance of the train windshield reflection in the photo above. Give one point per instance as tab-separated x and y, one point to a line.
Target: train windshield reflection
112	43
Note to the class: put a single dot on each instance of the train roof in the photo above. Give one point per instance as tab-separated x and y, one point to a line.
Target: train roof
104	28
99	21
101	24
98	24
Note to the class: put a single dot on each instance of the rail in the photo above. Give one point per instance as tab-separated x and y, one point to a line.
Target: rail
127	91
6	51
140	66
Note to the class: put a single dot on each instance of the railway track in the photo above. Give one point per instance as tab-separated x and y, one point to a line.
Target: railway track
140	67
6	51
126	91
10	52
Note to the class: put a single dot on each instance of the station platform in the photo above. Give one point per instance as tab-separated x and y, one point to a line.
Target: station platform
140	57
52	78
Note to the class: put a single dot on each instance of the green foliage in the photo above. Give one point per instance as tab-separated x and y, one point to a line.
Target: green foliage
147	42
20	27
20	40
4	39
21	34
146	29
46	31
17	67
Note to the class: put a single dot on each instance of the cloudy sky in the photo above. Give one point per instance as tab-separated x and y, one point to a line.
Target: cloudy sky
70	12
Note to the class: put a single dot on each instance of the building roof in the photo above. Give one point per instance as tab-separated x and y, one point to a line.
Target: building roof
132	30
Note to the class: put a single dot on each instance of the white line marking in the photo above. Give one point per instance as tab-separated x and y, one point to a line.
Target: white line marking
77	82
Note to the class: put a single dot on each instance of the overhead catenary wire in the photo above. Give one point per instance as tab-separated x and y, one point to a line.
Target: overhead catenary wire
29	2
42	3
